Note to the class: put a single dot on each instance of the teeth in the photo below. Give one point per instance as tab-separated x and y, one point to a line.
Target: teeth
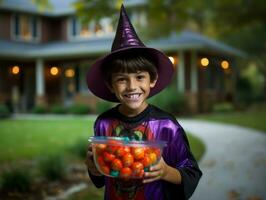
132	96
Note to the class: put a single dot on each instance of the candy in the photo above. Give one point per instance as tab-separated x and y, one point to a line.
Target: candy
108	157
100	148
100	161
127	160
125	172
105	169
146	161
116	164
153	157
137	167
114	173
120	152
138	152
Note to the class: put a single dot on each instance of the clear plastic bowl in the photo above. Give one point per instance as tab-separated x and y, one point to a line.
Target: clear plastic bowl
120	157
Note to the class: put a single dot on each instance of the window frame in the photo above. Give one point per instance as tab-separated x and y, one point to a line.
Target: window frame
16	36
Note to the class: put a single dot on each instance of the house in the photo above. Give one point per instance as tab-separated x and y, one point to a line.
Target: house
45	54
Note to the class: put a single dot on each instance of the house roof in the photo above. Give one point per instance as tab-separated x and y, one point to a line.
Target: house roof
184	41
187	40
58	7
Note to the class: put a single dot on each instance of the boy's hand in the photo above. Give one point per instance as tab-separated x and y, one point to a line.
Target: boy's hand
156	172
90	162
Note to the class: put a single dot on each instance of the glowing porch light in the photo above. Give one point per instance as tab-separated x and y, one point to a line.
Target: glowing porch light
54	71
69	73
225	64
204	62
15	70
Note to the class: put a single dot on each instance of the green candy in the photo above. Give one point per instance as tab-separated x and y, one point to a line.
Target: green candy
114	173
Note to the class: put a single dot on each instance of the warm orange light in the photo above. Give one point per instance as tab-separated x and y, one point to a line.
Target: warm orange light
15	70
54	71
69	73
172	59
204	62
225	64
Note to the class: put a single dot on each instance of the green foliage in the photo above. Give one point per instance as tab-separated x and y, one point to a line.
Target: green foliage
103	106
244	92
223	107
79	109
169	100
16	180
4	112
79	148
39	109
53	167
58	109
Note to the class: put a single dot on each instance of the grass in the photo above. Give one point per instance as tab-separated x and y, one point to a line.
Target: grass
28	139
252	118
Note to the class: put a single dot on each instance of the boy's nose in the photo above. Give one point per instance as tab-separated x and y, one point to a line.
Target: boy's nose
131	84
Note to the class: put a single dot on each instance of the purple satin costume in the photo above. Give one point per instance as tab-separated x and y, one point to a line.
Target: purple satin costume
161	126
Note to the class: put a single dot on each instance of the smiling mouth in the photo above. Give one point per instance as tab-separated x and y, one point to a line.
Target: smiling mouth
134	96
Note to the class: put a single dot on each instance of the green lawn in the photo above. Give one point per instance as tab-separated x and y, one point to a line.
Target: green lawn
252	119
28	139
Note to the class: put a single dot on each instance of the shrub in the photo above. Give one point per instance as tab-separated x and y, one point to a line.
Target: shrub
79	109
79	148
52	167
103	106
58	109
4	111
16	180
223	107
39	109
170	100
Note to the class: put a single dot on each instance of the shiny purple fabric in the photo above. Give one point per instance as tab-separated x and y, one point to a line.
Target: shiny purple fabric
125	33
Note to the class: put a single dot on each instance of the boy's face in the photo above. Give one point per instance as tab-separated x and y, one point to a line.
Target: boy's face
132	90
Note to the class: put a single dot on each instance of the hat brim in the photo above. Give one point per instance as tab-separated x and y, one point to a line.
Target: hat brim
98	87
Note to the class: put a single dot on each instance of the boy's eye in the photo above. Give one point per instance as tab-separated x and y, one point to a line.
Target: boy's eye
121	79
140	77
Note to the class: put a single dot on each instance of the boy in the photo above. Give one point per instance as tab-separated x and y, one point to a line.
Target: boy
130	74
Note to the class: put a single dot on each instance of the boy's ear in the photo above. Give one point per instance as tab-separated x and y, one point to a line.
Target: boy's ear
153	83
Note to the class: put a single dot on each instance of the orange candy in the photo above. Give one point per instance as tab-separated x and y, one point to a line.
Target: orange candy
116	164
138	152
125	172
105	169
100	161
127	160
153	157
137	167
108	157
120	152
100	148
146	161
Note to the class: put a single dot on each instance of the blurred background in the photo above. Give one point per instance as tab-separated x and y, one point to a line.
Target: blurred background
217	48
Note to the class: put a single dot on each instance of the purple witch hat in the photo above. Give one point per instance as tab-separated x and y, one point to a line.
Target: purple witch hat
127	40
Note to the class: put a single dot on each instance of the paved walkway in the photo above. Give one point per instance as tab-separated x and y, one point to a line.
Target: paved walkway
234	166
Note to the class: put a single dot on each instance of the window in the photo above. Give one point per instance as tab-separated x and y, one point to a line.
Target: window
25	28
100	28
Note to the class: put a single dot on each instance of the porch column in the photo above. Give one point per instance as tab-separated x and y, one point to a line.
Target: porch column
194	72
40	84
181	72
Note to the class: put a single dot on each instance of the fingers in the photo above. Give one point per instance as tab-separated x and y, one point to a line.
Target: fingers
152	176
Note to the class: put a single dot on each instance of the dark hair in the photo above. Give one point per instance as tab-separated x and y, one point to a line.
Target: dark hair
128	63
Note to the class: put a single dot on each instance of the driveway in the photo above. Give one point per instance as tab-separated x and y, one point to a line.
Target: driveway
234	165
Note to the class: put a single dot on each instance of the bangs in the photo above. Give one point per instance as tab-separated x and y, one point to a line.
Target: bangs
129	64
